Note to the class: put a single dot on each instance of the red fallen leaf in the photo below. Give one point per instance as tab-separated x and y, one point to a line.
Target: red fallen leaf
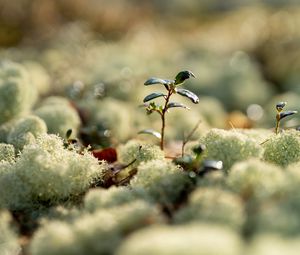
109	154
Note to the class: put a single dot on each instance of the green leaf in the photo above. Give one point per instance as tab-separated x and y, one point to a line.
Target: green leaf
150	132
153	104
152	96
286	113
68	133
154	80
182	76
213	165
160	108
189	94
175	104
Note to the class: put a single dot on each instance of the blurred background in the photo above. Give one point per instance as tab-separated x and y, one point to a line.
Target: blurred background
245	54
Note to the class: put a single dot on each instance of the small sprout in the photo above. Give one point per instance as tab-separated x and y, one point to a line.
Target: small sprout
190	162
72	141
150	132
162	109
280	114
280	106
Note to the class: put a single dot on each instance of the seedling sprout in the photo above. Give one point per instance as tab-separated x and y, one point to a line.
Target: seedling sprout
281	114
171	87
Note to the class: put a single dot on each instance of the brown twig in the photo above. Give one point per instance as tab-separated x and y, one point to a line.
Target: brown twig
187	139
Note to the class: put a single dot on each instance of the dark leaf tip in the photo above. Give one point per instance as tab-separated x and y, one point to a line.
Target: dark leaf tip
280	105
68	133
182	76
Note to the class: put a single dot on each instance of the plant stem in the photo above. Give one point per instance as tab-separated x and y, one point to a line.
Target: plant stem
277	127
163	118
186	140
163	124
277	123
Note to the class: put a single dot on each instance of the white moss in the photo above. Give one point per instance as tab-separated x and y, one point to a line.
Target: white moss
45	171
256	179
162	180
25	131
212	179
86	235
55	100
212	205
259	135
111	114
65	212
272	244
283	149
8	238
59	116
140	151
229	147
193	239
96	233
7	152
293	174
106	198
5	129
39	77
280	217
17	94
136	214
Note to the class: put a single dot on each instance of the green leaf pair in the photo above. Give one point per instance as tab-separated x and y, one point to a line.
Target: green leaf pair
179	79
282	114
